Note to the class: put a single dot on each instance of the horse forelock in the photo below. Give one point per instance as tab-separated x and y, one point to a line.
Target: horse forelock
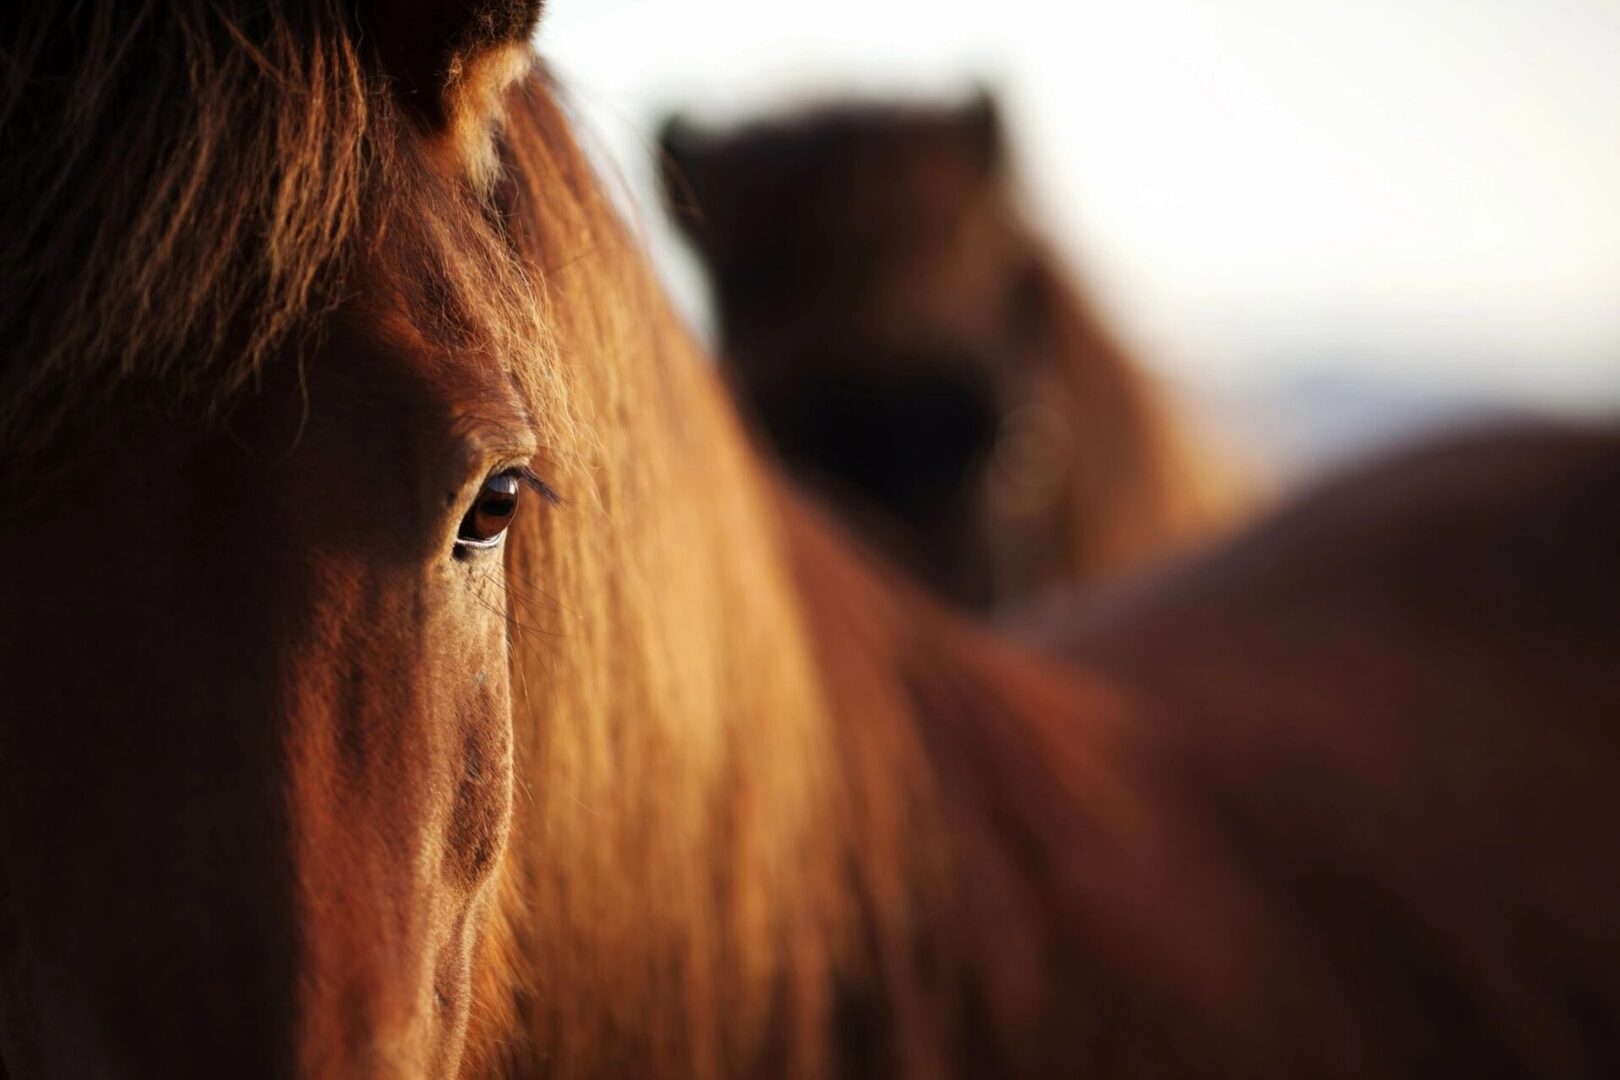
194	188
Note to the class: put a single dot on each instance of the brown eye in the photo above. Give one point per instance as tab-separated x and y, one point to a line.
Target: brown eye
491	512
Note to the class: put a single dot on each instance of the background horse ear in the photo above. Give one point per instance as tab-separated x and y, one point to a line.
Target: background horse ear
684	154
978	123
432	48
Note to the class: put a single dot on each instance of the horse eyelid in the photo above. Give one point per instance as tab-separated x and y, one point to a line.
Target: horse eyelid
529	479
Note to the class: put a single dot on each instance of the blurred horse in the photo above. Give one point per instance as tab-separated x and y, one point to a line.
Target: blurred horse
918	356
410	671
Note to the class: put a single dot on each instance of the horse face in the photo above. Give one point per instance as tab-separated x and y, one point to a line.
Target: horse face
256	767
255	751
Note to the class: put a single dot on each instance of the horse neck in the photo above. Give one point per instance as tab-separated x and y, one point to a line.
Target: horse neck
1149	482
750	769
777	814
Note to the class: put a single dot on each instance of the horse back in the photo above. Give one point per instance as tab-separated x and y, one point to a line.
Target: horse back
1385	729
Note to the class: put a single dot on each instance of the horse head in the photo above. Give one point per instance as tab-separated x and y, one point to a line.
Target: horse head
908	343
265	443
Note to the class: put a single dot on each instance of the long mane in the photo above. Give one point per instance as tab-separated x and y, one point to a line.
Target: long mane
737	848
670	717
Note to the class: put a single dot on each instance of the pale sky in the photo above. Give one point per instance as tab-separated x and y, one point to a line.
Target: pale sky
1423	190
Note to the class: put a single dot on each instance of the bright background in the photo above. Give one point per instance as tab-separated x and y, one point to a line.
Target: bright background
1327	223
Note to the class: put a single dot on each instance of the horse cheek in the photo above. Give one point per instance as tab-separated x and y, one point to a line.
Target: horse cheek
481	808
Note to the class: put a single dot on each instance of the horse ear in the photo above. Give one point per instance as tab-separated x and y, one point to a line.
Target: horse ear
979	124
439	52
682	146
684	151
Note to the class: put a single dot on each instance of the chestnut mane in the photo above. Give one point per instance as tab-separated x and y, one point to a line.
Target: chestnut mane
687	739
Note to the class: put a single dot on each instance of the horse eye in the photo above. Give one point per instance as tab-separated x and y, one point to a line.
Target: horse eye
491	512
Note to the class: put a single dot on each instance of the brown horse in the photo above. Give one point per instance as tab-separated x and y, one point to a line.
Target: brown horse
322	756
916	354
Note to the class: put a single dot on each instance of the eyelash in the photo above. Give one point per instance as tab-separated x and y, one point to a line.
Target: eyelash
529	479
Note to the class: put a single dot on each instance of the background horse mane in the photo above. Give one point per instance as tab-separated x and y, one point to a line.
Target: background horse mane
919	356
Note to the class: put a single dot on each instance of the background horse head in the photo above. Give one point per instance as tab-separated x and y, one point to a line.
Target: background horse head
916	354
